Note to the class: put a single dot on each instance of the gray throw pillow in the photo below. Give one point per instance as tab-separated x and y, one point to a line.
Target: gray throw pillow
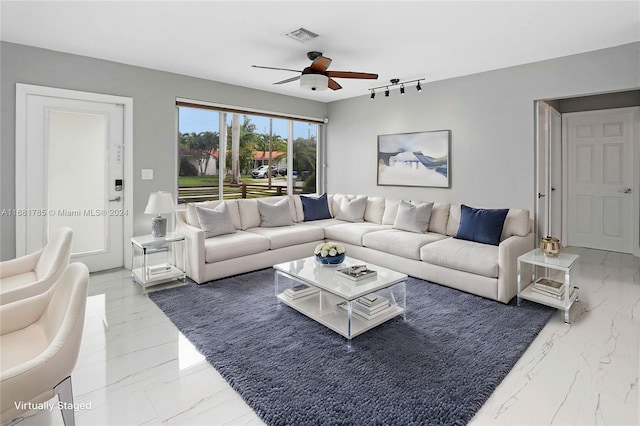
352	210
216	221
273	215
413	218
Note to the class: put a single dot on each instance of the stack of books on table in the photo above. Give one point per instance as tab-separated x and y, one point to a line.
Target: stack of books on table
369	306
158	269
300	290
549	287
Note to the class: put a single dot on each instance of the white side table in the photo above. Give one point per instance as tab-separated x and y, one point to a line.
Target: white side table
565	262
158	260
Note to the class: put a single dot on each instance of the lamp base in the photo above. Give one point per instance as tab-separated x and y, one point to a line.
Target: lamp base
158	227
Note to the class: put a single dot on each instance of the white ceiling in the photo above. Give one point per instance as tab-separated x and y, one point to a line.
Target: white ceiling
220	40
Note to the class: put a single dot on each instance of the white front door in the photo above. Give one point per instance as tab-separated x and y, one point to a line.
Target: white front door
72	175
600	147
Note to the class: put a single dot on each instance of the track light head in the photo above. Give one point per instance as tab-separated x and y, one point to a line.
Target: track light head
386	92
402	89
418	87
373	94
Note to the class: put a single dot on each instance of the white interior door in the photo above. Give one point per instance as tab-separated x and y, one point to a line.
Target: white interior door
600	146
73	176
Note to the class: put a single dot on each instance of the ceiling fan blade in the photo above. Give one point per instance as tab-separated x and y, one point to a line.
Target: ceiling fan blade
272	68
320	64
350	74
289	80
333	85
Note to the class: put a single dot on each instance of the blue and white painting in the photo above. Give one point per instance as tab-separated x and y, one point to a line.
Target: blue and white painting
414	159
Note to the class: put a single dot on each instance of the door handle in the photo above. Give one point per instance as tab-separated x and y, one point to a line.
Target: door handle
115	199
541	195
625	190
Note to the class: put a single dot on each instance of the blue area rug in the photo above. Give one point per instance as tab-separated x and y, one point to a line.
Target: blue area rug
437	367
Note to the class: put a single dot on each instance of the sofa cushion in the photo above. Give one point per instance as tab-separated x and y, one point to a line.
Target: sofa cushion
352	209
390	211
481	225
401	243
352	232
231	246
274	215
285	236
325	223
232	207
250	215
315	208
216	221
516	223
413	218
463	255
374	210
439	218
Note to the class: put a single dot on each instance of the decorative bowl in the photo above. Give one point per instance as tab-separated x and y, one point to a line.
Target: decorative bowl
331	260
550	246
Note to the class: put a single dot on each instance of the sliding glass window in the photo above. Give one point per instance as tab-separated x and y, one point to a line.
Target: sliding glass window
227	155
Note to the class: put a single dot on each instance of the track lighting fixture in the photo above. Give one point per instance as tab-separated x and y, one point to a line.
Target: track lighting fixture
396	82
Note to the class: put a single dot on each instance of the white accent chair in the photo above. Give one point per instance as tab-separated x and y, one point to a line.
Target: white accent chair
40	339
35	273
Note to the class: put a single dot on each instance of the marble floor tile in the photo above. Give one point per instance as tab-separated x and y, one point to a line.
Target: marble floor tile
136	368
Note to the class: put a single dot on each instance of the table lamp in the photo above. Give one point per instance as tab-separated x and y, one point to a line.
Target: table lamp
159	202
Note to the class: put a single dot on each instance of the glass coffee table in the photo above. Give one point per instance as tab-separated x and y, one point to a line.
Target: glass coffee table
345	306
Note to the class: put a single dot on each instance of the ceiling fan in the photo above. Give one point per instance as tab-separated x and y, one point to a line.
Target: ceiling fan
316	76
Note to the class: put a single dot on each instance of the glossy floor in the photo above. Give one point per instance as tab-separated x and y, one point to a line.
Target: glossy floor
135	368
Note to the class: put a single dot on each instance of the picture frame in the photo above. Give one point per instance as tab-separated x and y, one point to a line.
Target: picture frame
420	159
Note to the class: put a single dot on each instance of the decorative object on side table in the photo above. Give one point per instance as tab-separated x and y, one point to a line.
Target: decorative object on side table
550	246
330	253
159	202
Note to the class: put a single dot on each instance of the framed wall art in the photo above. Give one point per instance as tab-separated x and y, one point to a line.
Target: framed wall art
415	159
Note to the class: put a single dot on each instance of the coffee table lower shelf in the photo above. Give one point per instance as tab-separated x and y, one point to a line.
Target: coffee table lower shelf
323	308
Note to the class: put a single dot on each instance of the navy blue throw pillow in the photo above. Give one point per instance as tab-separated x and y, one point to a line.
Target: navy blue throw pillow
480	225
315	208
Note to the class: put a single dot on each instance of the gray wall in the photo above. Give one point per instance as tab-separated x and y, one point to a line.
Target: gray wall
491	118
154	133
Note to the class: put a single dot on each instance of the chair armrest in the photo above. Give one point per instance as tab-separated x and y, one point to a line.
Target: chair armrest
24	312
23	264
508	252
195	250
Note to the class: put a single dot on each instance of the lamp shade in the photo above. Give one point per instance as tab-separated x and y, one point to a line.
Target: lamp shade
159	202
314	82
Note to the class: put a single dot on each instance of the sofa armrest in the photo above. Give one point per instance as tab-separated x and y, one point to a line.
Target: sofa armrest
508	252
195	250
10	268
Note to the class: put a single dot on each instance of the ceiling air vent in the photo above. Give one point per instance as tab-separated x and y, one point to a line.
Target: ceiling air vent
302	35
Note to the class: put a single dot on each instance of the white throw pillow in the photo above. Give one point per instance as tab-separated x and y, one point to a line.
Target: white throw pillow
272	215
216	221
390	211
374	210
413	218
352	210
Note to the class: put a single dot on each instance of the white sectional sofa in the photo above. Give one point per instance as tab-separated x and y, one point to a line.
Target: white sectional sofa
435	255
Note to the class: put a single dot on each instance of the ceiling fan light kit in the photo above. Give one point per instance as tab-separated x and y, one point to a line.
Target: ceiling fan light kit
314	82
396	82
